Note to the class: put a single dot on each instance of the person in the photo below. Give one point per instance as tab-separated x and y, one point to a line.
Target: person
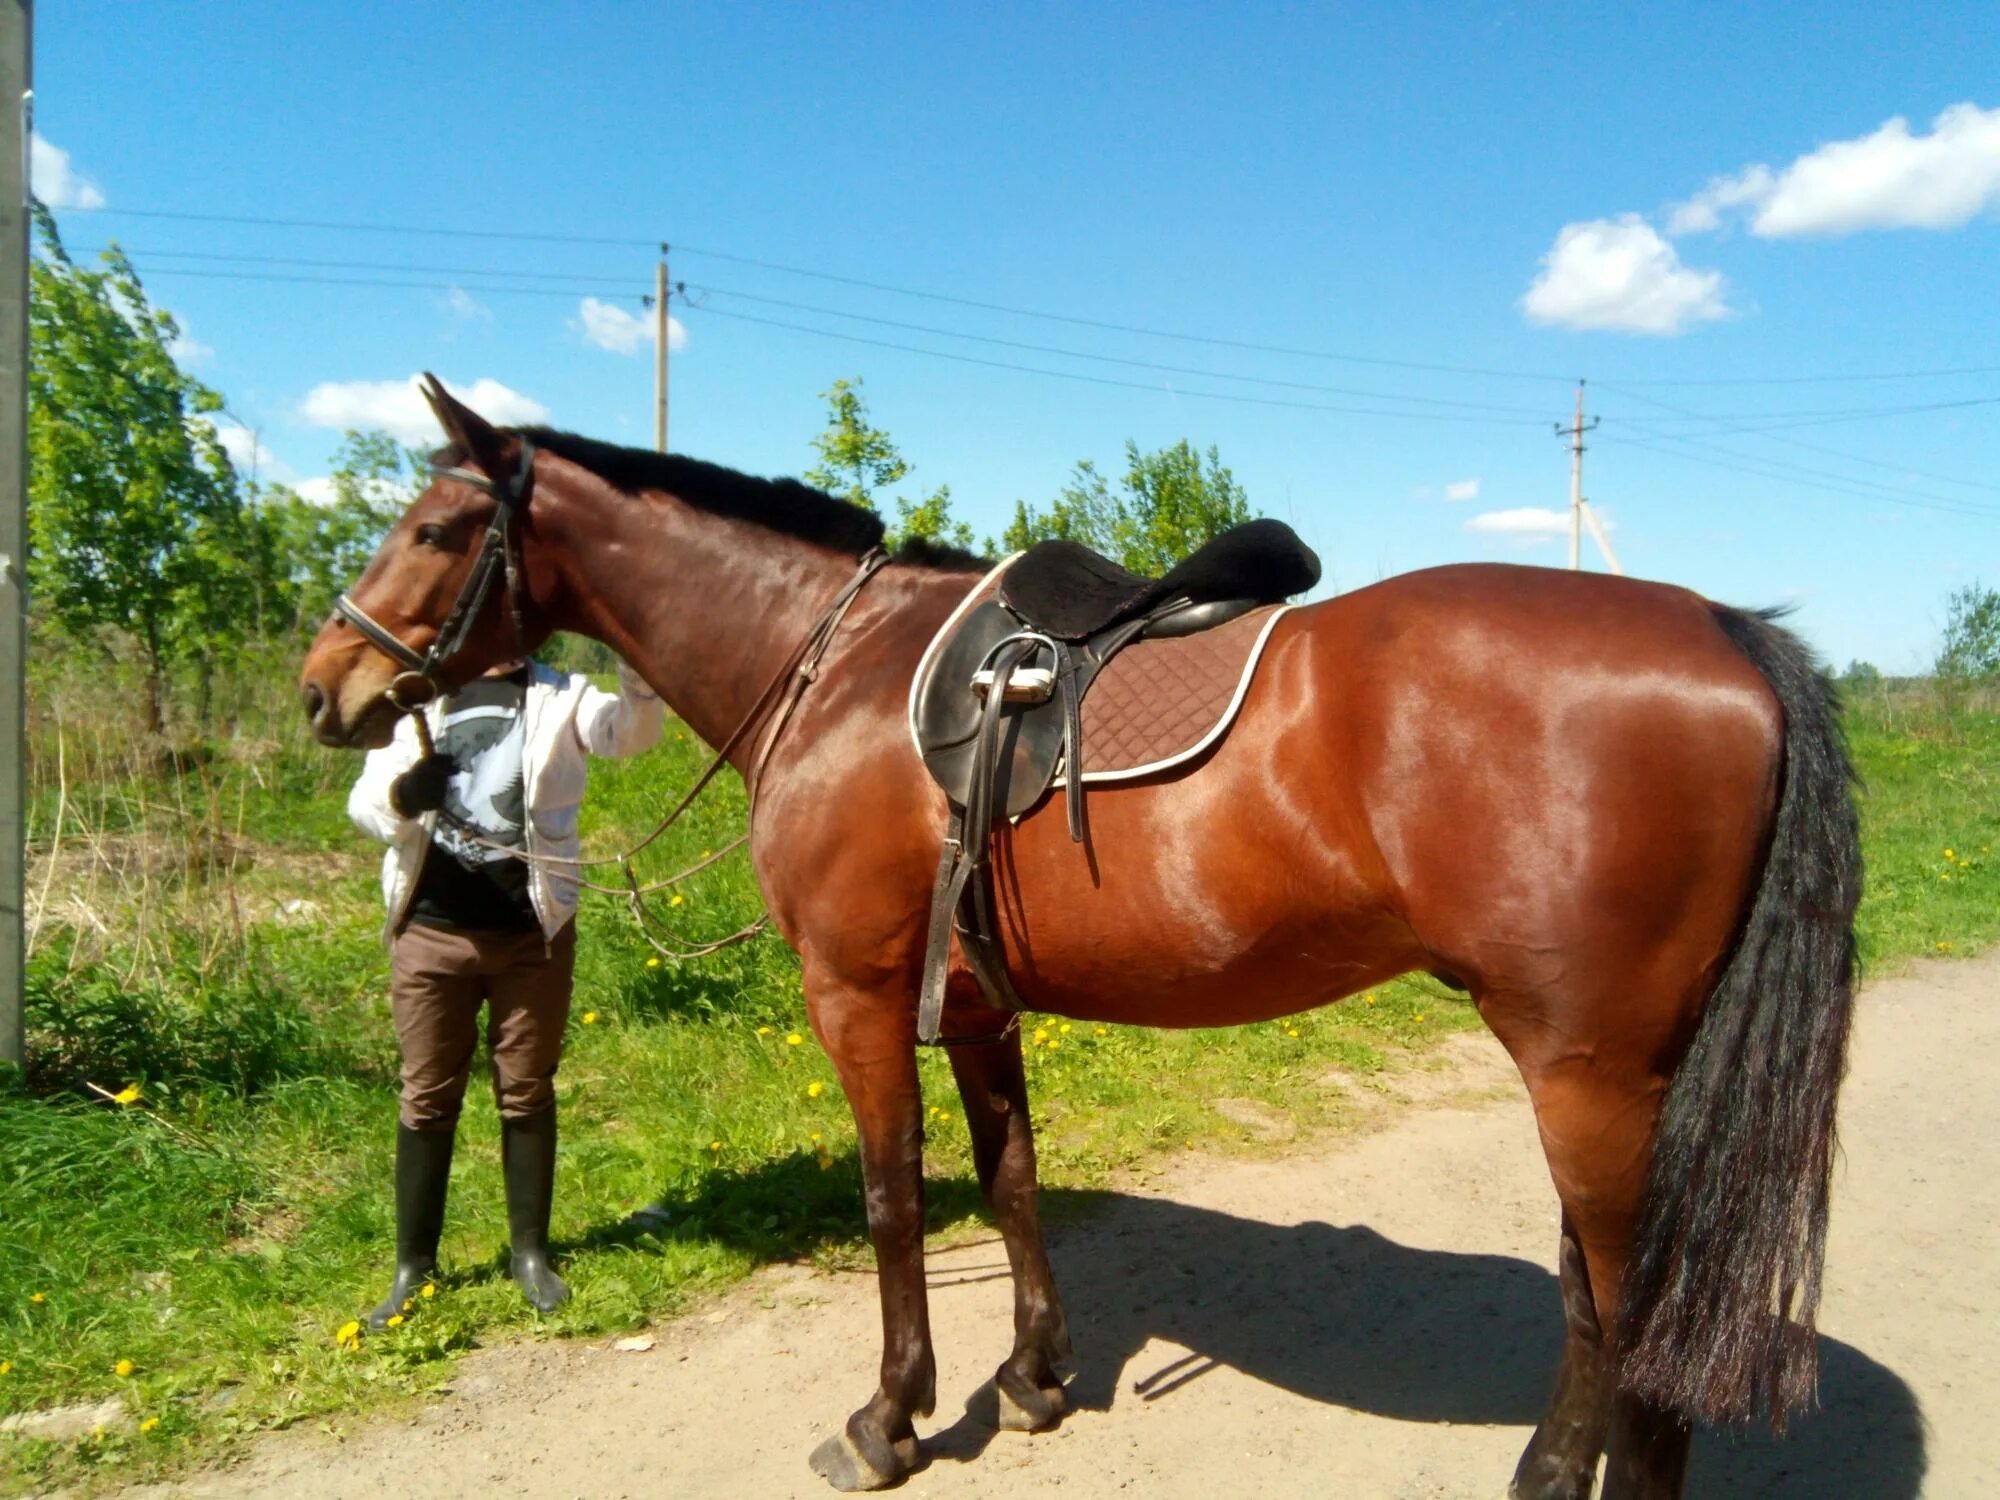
469	922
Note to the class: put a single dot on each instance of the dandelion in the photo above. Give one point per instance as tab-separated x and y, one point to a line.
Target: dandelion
37	1297
122	1369
395	1320
127	1095
1100	1031
1054	1042
677	899
814	1137
590	1018
1041	1033
1420	1016
348	1336
6	1367
708	854
715	1145
149	1424
1368	1000
793	1039
1291	1031
430	1289
825	1162
815	1089
763	1031
1065	1028
1949	855
1944	877
653	963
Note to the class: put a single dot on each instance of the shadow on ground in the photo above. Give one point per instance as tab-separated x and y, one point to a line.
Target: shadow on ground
1345	1316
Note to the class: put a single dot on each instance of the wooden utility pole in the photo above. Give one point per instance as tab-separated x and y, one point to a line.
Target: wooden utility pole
1576	485
16	125
661	324
1580	513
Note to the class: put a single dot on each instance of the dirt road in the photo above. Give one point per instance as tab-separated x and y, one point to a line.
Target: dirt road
1369	1317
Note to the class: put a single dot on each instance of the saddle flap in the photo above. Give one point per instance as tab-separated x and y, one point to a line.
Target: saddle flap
946	719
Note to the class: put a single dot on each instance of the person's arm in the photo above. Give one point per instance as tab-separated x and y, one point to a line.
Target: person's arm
374	804
621	723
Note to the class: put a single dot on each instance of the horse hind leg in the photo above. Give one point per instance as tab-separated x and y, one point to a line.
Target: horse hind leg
1561	1458
994	1088
1597	1130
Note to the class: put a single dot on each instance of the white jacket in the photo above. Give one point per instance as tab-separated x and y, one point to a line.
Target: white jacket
563	720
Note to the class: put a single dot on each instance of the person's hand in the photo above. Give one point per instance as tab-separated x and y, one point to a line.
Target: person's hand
421	788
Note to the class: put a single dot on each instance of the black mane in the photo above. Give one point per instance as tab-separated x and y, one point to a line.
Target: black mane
782	504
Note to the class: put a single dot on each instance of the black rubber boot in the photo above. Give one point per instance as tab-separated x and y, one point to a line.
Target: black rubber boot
528	1160
423	1173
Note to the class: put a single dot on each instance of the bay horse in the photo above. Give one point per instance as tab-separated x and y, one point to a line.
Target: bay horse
1617	814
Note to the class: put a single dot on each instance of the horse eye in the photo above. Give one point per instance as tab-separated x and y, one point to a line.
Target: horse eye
430	536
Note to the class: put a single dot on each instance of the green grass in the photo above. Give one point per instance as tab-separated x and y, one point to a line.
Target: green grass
218	1232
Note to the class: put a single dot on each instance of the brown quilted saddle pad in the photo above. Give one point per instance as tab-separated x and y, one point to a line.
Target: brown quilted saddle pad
1156	703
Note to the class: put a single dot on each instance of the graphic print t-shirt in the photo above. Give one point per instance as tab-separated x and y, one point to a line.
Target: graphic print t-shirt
464	884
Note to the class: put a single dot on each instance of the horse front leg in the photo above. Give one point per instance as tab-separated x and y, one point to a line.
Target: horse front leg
872	1042
994	1087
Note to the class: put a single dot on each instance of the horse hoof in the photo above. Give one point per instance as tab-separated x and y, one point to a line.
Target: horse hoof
1028	1408
841	1463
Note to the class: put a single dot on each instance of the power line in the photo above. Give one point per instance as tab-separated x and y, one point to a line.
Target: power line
1433	367
1848	487
681	247
357	265
1139	364
274	222
1130	385
1840	453
566	293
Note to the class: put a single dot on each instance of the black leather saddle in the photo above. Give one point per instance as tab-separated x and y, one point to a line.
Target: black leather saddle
1002	705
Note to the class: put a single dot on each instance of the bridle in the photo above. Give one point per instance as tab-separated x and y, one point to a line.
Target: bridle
498	557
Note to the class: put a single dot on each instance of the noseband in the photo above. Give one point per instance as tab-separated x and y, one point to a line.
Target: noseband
497	557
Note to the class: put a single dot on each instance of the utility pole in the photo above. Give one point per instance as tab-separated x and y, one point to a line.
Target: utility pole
1580	513
661	324
16	105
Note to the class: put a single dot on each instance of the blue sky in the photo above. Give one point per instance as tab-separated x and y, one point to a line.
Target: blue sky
1713	195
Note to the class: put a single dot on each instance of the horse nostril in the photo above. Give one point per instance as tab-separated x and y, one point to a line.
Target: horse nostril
315	701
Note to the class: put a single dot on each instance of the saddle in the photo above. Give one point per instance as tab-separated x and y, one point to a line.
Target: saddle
998	709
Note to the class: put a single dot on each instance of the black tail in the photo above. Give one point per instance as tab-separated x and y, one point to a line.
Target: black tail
1724	1281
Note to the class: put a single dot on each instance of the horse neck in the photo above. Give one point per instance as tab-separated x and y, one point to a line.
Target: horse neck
706	608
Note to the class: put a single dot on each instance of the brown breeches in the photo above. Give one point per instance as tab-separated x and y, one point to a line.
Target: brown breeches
439	977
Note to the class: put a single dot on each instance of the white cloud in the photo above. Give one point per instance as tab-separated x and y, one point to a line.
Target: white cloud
56	182
1620	274
608	326
317	490
467	306
1889	179
1703	212
399	409
1462	489
186	349
250	455
1531	522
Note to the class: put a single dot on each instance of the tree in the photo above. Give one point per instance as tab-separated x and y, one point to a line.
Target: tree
137	526
857	460
1971	648
319	547
1169	502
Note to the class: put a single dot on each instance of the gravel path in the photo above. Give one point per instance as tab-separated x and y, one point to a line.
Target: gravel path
1371	1316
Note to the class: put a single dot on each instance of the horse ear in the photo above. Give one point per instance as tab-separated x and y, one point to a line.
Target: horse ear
464	426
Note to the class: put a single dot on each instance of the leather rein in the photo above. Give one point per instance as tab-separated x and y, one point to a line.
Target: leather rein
499	557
